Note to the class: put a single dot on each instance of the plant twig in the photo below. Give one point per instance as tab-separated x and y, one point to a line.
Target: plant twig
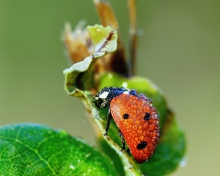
133	36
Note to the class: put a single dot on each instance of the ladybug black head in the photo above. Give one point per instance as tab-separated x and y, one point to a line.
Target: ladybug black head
104	97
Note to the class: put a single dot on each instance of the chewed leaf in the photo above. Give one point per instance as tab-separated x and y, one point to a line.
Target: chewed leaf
31	149
105	41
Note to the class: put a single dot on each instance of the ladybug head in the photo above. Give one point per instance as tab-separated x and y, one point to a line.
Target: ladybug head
104	97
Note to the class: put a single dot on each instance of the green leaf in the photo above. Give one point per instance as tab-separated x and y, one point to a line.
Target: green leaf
104	39
30	149
105	42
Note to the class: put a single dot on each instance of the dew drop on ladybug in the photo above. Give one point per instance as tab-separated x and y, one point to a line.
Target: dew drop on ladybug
135	117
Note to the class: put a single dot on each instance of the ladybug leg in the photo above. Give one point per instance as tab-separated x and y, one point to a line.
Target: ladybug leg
109	117
122	140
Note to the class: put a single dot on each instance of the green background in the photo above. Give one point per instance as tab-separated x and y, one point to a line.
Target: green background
179	50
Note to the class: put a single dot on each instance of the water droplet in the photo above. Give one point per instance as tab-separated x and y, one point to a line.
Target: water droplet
124	84
88	155
183	162
109	76
72	167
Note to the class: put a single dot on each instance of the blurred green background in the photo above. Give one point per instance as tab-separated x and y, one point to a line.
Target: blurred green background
179	50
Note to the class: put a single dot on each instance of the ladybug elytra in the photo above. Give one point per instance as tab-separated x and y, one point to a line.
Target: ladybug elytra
135	117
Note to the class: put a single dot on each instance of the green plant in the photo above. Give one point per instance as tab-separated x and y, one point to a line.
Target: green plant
99	61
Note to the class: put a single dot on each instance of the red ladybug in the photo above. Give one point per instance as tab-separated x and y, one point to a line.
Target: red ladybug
135	117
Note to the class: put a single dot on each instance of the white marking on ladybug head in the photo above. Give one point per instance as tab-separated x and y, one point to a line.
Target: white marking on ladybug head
103	95
125	92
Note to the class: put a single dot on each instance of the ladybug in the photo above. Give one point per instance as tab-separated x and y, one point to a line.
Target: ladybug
135	117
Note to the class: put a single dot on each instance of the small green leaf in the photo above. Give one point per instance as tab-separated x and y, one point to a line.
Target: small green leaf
30	149
104	39
105	42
